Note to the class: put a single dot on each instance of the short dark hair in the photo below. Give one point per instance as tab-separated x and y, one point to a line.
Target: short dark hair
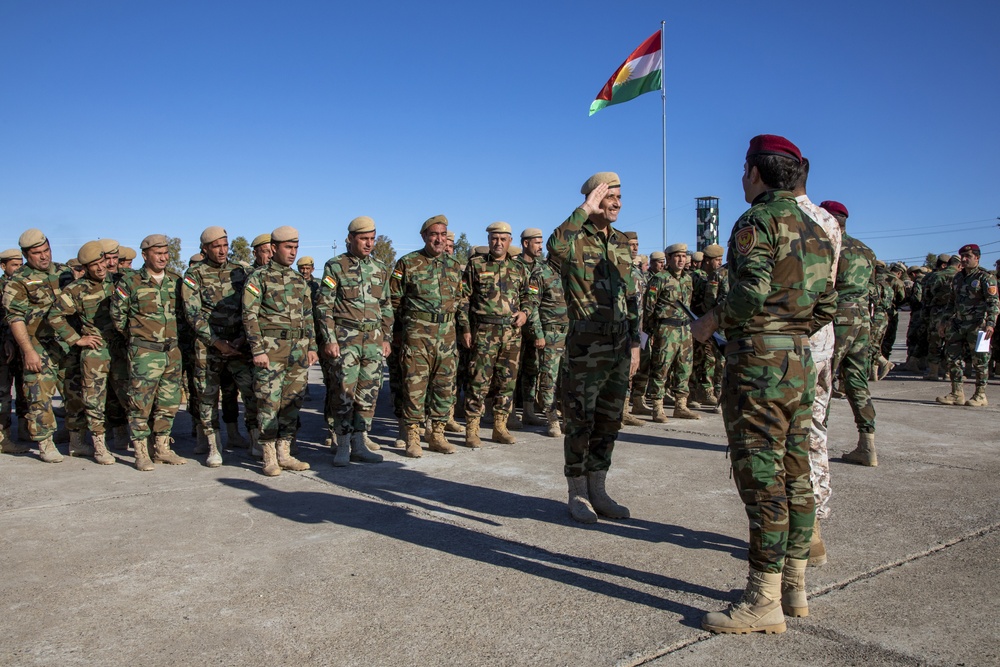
783	173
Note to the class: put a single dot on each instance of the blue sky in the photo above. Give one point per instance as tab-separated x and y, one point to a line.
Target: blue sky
122	118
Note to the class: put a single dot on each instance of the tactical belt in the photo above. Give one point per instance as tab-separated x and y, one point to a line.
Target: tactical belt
768	342
156	347
555	327
436	318
848	304
284	334
673	321
492	319
360	326
227	333
600	328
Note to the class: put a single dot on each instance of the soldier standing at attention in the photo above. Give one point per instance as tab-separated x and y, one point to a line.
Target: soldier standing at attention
936	302
657	260
780	270
354	323
500	301
974	309
262	250
602	342
212	294
532	337
11	372
144	309
669	334
706	295
125	258
278	320
634	404
427	296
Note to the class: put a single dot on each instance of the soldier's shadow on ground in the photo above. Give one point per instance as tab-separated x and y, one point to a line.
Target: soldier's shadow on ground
401	523
667	441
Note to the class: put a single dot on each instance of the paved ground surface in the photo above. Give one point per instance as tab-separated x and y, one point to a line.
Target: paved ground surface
471	559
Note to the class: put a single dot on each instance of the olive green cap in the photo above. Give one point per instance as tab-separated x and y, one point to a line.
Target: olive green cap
656	254
631	236
305	261
714	250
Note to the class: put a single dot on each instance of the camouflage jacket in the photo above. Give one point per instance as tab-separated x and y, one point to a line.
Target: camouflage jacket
885	294
551	311
498	288
28	295
937	296
975	302
141	309
213	301
431	286
662	294
855	273
596	272
780	267
83	308
277	304
353	291
707	292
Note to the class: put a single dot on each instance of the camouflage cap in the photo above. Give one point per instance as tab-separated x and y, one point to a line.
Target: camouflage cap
609	177
656	254
714	250
898	266
196	258
697	256
499	228
284	234
631	236
361	225
10	253
109	246
944	257
154	241
91	251
531	233
305	261
126	253
212	234
675	248
31	239
260	239
436	220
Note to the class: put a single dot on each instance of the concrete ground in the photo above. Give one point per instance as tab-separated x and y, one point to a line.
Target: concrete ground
472	559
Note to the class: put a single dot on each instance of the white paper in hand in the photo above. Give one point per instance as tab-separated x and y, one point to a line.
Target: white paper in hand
982	342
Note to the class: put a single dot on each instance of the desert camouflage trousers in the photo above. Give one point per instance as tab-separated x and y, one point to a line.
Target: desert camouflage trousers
672	355
768	393
851	359
595	383
819	456
105	373
41	387
281	387
428	361
961	347
215	374
154	390
355	378
496	352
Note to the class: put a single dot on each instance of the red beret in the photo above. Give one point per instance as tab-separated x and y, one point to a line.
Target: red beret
969	247
772	144
834	207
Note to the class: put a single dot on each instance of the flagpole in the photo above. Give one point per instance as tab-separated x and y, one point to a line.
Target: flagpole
663	99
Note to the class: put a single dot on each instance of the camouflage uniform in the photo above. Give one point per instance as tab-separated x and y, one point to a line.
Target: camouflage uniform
278	321
640	381
353	310
11	373
882	308
851	359
530	359
427	297
916	330
705	295
936	303
974	307
596	272
669	333
548	321
779	293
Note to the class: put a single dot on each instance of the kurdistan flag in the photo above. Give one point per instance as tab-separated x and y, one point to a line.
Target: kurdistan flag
642	72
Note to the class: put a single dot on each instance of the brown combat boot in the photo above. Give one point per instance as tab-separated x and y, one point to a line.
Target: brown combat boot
235	439
579	500
142	461
162	452
360	453
759	610
270	456
530	418
436	442
659	416
10	446
500	432
472	433
370	444
285	459
639	406
214	459
628	419
956	397
201	440
453	426
864	453
78	446
708	398
599	498
413	449
794	601
554	431
817	548
681	408
978	399
101	453
932	372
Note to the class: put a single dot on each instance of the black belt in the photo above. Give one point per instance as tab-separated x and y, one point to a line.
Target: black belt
673	321
156	347
600	328
436	318
360	326
492	319
284	334
228	333
555	327
761	342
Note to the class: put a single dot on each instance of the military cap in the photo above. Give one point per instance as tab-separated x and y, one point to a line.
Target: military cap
481	250
675	248
514	250
714	250
637	261
260	239
109	246
834	207
31	239
644	258
361	225
631	236
898	266
91	251
154	241
609	177
126	253
450	236
499	228
212	234
879	263
925	270
305	261
698	256
196	258
969	247
73	263
772	144
10	253
284	233
945	257
657	255
437	219
531	233
914	269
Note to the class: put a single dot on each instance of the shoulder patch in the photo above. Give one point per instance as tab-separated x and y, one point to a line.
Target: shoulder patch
121	292
189	281
992	290
397	274
532	287
330	282
746	240
253	289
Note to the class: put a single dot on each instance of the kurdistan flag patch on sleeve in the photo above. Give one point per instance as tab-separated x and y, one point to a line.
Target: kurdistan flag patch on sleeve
190	282
121	292
330	282
253	289
397	274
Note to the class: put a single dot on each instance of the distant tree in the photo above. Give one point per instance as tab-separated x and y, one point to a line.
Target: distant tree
240	251
931	260
176	263
462	248
383	251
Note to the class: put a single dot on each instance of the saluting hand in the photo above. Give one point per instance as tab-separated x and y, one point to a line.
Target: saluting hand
593	202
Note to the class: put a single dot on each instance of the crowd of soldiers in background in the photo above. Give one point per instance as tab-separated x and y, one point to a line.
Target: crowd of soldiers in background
122	345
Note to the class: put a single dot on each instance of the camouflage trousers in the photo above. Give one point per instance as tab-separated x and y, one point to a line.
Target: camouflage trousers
706	367
672	355
640	381
767	407
851	363
549	366
595	383
496	351
527	372
428	358
70	380
916	336
211	372
889	336
281	387
935	341
819	456
355	378
879	323
102	369
961	347
39	388
154	390
12	390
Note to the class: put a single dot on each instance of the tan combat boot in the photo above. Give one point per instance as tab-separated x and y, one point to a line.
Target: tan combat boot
162	453
579	500
214	459
554	431
10	446
817	548
285	459
234	439
864	453
599	498
413	449
956	397
759	610
436	442
400	432
978	399
47	451
530	418
201	440
932	372
472	433
628	419
794	601
101	453
681	408
500	432
78	446
270	456
370	444
142	460
708	398
639	406
659	416
360	453
342	450
453	426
